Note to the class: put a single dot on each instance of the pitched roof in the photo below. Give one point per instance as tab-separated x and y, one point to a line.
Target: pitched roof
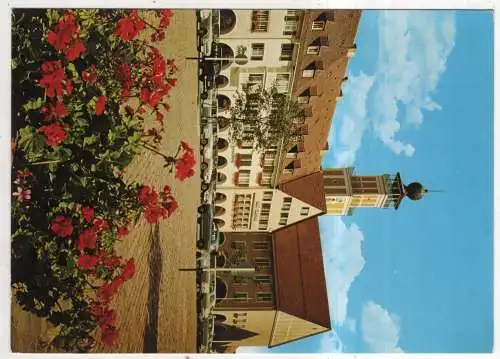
308	188
300	277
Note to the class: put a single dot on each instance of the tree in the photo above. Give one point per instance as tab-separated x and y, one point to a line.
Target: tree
264	117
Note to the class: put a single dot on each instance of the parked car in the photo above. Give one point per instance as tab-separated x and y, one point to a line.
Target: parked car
205	225
208	192
209	154
207	335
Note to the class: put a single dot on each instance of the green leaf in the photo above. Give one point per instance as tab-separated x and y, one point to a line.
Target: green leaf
73	72
33	104
89	140
111	136
30	141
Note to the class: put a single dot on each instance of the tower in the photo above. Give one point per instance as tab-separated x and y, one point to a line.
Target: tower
346	191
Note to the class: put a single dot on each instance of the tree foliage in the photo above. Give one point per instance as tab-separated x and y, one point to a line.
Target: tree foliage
265	117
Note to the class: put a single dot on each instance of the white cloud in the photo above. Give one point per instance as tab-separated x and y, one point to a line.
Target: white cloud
331	343
354	124
350	324
413	50
343	259
380	329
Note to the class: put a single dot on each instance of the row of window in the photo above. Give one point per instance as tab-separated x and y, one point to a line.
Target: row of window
260	22
259	297
258	52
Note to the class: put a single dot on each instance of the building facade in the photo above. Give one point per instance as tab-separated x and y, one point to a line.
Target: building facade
278	46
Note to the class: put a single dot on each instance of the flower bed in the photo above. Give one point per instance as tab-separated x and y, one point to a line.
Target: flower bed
84	82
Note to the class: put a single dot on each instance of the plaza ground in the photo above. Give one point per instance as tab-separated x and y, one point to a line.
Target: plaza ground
157	308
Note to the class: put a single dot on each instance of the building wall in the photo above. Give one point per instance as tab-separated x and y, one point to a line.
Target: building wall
257	209
326	84
256	321
247	250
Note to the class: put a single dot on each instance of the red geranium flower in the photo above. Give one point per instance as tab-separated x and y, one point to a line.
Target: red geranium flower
88	213
129	27
54	134
165	16
109	336
87	239
109	290
87	262
90	74
171	206
73	52
100	105
107	318
111	262
172	82
96	309
100	225
53	76
122	232
62	226
128	269
147	195
63	33
153	213
184	166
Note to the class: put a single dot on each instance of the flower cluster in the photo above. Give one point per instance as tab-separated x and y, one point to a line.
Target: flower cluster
65	38
185	162
106	319
54	79
54	134
130	26
157	206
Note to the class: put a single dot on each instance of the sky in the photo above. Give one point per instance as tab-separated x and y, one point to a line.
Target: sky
419	100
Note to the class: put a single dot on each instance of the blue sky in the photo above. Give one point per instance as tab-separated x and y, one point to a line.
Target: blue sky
419	100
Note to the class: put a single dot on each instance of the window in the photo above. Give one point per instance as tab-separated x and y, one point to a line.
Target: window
282	82
238	244
257	52
291	23
244	178
264	297
263	279
263	263
245	159
282	222
303	99
287	200
304	211
286	52
260	20
318	25
261	245
256	79
312	50
308	73
268	196
241	295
